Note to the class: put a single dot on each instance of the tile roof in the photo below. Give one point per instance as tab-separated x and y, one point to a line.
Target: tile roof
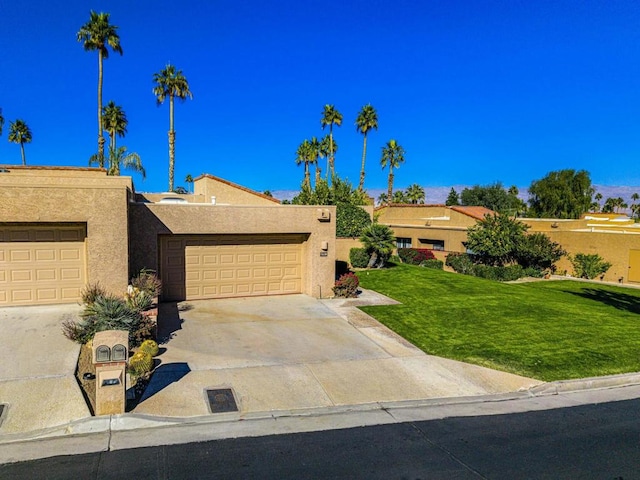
475	212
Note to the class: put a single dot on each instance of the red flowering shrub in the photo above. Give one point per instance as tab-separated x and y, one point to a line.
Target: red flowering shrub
346	286
415	256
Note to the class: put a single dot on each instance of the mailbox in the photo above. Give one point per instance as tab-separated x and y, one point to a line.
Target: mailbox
110	354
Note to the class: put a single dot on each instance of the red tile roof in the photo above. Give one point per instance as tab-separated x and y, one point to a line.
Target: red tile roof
475	212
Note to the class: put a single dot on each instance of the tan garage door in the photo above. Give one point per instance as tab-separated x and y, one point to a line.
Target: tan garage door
218	266
41	264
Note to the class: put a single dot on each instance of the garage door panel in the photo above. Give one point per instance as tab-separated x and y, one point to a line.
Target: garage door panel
41	265
233	265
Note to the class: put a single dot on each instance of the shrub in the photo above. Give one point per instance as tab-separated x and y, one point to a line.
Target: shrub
359	258
146	330
379	241
346	286
138	300
433	263
501	274
105	313
589	266
538	251
147	281
415	256
149	346
351	220
533	272
140	363
460	262
92	291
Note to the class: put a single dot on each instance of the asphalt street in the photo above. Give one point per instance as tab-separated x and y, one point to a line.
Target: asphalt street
600	441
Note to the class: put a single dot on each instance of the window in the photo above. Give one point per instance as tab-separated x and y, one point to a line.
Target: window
432	244
119	353
403	242
103	354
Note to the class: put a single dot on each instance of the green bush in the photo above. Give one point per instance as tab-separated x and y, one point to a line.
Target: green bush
359	258
538	251
433	263
460	262
589	265
346	286
351	220
500	274
138	300
533	272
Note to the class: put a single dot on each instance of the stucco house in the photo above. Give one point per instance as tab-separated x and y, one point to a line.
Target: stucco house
443	229
62	227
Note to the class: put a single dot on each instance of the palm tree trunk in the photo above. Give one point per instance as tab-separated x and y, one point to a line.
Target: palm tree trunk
390	191
331	159
172	144
100	136
307	175
318	174
364	154
24	161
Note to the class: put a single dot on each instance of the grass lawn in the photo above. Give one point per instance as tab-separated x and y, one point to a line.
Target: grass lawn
549	330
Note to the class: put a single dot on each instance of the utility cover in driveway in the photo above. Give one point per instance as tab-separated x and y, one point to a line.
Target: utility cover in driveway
221	400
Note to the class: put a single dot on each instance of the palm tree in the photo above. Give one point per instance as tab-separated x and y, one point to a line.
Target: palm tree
331	117
97	34
114	121
366	120
328	149
379	241
303	156
120	159
597	198
316	152
634	206
400	197
189	181
19	132
173	84
415	193
382	198
392	155
1	121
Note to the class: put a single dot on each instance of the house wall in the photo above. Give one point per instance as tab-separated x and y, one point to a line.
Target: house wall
80	195
228	193
147	221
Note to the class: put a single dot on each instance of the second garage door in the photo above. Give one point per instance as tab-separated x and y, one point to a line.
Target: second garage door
218	266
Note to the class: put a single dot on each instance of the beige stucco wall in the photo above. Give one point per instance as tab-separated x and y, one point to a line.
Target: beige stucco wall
147	221
228	193
57	195
344	246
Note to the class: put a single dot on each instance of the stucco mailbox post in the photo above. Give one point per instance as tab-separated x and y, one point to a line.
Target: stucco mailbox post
110	353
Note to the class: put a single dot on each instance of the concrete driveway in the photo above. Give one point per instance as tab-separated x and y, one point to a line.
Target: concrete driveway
293	352
37	366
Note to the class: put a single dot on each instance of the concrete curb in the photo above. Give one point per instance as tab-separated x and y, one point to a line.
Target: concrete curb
99	434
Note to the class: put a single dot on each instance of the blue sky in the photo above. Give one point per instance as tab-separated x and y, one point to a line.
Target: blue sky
475	91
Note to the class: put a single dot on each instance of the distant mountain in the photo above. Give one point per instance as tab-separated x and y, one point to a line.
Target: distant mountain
438	195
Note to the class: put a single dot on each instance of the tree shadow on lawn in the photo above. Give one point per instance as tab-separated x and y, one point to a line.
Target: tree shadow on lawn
619	300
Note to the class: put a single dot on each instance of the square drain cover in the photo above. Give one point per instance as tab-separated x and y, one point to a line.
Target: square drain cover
221	400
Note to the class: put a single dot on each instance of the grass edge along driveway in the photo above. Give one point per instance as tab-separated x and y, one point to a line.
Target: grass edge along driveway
548	330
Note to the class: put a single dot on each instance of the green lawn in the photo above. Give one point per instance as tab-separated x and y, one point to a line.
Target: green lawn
549	330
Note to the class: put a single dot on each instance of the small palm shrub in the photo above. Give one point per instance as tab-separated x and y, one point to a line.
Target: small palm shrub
149	346
359	258
415	256
433	263
347	286
379	241
140	363
147	281
589	266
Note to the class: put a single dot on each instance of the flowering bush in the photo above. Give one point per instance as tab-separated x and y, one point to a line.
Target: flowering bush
346	286
415	256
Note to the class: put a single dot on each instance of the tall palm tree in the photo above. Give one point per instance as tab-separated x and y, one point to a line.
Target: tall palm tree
393	156
367	119
97	34
19	132
119	159
415	193
189	181
303	156
328	149
114	121
1	121
316	153
173	84
331	116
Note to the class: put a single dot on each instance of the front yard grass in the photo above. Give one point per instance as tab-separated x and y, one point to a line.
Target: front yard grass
548	330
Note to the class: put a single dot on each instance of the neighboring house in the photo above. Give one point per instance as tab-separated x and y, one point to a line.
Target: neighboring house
61	228
443	229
